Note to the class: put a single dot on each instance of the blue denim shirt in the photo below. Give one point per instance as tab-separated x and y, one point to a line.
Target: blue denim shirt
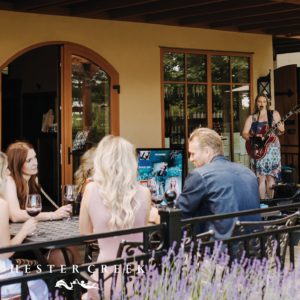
216	188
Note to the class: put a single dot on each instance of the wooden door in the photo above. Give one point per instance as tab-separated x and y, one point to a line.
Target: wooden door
89	103
285	79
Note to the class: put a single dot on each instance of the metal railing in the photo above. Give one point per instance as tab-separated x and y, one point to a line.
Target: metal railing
157	239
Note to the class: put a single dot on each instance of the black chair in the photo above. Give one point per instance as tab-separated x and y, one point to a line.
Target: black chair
91	248
264	246
126	248
190	237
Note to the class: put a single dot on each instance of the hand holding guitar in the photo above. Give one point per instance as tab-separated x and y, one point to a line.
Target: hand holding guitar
280	128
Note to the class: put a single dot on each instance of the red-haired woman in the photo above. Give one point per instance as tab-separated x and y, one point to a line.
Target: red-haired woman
37	288
23	165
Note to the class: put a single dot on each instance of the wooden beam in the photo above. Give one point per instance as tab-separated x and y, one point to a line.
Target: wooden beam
163	7
5	5
285	41
287	46
289	49
290	30
273	25
290	13
234	15
296	2
31	5
95	6
211	8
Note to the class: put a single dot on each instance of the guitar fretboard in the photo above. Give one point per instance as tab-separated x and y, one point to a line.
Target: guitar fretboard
295	109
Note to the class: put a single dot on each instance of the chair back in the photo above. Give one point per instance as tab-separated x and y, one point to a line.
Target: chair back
264	246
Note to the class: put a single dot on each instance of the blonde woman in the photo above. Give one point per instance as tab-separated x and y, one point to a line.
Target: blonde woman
114	200
86	169
37	288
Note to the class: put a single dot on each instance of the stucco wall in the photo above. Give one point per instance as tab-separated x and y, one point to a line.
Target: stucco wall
133	50
288	59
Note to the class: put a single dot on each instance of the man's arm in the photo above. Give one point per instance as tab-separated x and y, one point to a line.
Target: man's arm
194	192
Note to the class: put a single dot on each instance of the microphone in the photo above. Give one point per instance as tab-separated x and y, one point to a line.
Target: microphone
261	107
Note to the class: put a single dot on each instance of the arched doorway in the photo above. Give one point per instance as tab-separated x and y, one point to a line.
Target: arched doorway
67	85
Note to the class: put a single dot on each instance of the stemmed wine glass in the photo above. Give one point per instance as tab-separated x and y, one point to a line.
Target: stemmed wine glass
33	205
157	200
170	196
70	195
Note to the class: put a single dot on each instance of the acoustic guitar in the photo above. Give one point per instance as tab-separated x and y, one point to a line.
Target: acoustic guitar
259	145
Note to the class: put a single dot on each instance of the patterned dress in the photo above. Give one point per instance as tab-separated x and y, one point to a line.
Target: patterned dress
270	164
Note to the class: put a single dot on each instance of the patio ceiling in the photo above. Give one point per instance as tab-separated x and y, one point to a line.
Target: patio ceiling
280	18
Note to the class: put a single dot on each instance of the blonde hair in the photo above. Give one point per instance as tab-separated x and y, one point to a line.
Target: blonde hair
86	168
115	171
207	137
3	172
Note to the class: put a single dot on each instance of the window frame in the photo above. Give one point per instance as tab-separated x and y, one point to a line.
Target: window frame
209	83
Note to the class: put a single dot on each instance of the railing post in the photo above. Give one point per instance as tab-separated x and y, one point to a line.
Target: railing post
171	217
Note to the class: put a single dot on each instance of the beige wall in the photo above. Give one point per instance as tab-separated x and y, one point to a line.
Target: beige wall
133	50
288	59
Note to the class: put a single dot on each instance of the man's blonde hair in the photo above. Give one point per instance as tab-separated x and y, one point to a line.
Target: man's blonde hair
207	137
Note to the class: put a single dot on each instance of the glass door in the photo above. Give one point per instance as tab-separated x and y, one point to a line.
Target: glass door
89	106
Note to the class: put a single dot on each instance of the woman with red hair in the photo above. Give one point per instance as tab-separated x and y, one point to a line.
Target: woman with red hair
23	165
37	288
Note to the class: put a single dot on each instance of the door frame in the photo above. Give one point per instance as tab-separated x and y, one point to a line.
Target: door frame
67	49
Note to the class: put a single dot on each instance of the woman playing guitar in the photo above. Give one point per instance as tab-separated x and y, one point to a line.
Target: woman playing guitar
267	165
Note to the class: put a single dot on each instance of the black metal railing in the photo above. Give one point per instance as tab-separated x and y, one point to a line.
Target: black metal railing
157	239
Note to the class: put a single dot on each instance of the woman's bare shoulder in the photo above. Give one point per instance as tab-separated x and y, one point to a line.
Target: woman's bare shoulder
143	189
143	193
10	181
90	191
90	186
3	204
10	187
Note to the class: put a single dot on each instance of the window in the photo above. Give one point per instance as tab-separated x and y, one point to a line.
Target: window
208	89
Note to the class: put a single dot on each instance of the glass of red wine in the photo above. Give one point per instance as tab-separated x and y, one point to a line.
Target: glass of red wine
33	205
170	196
157	199
70	196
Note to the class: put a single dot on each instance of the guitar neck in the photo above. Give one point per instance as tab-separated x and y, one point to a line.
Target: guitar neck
275	126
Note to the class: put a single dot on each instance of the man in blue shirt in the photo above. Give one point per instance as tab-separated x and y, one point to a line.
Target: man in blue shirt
216	185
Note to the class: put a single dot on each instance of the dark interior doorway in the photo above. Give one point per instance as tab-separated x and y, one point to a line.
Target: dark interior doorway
30	88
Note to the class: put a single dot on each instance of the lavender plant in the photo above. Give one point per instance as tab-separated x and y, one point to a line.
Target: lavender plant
210	276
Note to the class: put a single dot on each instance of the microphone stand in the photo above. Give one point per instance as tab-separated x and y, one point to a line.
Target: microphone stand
253	145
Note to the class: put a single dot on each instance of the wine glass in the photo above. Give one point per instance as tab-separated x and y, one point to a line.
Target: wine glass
33	206
70	195
170	196
157	199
